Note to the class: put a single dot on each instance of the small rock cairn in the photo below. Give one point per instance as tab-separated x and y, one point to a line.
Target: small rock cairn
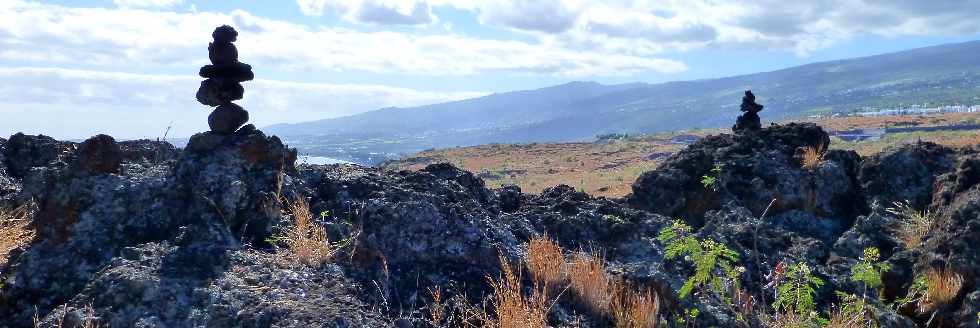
749	120
223	82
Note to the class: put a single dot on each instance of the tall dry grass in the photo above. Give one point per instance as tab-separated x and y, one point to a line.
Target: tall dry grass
914	224
634	308
587	277
14	230
545	262
306	240
942	287
512	308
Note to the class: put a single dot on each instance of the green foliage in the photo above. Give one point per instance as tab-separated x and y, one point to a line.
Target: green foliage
869	271
915	293
687	320
797	291
854	310
710	181
707	256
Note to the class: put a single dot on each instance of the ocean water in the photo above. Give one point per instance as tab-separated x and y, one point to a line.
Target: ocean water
318	160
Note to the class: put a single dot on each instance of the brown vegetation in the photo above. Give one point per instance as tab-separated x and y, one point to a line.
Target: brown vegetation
512	308
545	262
14	231
306	240
588	279
942	286
813	156
914	225
634	308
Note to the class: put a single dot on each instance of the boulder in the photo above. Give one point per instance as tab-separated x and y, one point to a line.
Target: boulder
97	155
227	118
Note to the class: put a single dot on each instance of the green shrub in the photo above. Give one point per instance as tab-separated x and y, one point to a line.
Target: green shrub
796	293
869	271
708	257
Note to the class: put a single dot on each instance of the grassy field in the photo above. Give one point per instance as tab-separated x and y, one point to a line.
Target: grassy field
609	167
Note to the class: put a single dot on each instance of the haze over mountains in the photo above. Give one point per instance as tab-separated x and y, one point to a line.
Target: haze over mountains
945	74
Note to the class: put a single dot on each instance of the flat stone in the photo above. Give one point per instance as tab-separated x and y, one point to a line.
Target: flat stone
215	92
222	53
238	72
224	34
227	118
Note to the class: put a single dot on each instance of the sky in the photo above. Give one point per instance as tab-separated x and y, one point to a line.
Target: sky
72	69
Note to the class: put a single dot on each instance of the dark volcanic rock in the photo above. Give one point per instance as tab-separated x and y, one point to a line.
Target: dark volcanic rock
222	192
224	34
215	92
749	121
235	179
237	72
428	227
23	152
151	236
222	53
754	170
147	151
227	118
905	173
98	154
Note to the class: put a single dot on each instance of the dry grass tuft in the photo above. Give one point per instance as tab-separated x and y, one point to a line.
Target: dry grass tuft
843	319
545	262
942	287
588	278
14	231
914	225
513	309
306	240
632	308
813	156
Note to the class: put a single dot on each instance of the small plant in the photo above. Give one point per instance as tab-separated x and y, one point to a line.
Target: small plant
854	311
545	262
869	271
795	294
708	257
914	295
914	225
813	156
710	181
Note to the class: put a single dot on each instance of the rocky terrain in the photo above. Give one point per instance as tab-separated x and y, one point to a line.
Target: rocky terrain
140	234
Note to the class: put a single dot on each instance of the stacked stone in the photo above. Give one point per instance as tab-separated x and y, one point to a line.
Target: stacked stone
749	121
223	82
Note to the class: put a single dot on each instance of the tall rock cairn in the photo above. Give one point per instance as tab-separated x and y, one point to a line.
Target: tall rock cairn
749	120
223	82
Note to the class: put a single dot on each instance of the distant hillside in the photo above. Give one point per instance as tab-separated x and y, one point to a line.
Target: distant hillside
946	74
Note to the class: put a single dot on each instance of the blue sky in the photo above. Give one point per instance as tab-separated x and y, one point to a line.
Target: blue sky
72	69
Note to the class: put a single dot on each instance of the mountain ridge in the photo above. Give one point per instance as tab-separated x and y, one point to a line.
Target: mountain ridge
577	111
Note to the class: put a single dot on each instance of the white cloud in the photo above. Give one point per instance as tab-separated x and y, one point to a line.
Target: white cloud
45	34
132	104
381	12
797	26
147	3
